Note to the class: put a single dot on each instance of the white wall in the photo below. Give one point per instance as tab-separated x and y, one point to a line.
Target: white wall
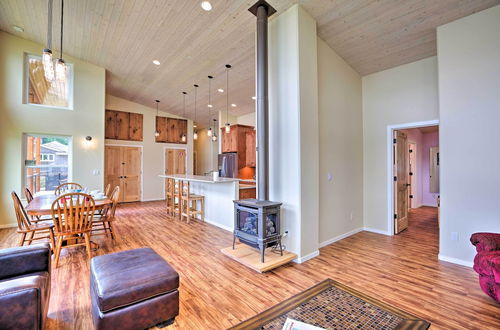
293	127
469	93
153	153
340	146
249	119
405	94
206	152
87	118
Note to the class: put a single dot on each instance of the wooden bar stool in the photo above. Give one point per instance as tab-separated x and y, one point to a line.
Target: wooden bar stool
172	197
189	202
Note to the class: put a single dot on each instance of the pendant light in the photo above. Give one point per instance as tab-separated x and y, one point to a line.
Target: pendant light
214	135
157	132
60	70
195	134
184	137
209	130
228	125
47	61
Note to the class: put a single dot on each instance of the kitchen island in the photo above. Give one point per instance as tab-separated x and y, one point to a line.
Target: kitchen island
219	195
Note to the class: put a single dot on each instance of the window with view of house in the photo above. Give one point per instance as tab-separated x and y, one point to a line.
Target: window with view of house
46	161
41	91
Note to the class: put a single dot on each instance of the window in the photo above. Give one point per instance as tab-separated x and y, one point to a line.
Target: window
47	157
41	91
47	161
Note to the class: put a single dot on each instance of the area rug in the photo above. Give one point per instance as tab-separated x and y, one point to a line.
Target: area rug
331	305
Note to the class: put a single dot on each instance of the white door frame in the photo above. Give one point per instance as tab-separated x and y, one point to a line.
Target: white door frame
390	160
165	161
142	162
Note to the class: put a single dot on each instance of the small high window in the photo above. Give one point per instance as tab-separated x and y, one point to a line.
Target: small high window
40	91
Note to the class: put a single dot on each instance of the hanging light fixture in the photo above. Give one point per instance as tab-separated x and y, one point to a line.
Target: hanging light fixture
195	134
157	132
60	70
228	125
47	61
214	135
209	130
184	137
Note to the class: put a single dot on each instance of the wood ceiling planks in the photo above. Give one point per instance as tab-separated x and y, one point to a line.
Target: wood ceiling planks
125	36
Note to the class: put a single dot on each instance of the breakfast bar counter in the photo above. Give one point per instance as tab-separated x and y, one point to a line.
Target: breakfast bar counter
219	195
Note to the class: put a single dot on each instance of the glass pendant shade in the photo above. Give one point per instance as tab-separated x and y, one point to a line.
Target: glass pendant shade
195	135
228	127
209	131
214	137
48	64
183	138
60	70
157	134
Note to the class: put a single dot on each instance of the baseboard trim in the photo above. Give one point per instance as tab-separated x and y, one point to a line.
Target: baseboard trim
377	231
9	225
216	224
455	261
152	200
306	257
428	205
339	237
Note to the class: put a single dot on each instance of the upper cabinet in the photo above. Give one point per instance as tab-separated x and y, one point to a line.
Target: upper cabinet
240	139
171	130
123	125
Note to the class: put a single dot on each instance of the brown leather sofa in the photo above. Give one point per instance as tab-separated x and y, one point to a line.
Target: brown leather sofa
24	286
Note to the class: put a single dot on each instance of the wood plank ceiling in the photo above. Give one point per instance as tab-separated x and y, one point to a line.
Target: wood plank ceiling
124	36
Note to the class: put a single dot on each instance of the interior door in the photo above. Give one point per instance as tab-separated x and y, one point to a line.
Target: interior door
400	182
113	167
434	170
131	162
175	161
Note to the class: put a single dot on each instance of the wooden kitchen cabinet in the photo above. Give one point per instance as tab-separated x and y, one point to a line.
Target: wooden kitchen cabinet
250	158
171	130
120	125
235	140
248	193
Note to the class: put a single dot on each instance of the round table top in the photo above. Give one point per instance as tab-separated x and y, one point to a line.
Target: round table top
42	204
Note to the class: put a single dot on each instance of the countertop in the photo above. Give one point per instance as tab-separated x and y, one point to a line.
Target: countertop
199	178
247	186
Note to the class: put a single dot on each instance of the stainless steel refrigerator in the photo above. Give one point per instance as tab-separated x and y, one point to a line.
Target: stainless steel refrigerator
228	165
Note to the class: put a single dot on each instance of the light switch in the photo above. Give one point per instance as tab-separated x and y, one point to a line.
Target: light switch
96	172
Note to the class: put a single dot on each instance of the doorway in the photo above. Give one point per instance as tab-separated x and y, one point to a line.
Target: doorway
414	176
123	168
175	161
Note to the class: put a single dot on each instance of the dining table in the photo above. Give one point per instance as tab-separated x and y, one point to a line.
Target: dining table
42	204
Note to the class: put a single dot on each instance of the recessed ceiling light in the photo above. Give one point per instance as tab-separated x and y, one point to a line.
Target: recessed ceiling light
206	5
210	106
156	62
254	98
233	105
220	90
17	28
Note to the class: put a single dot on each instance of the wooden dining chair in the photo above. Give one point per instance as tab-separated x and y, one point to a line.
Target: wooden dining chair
72	214
34	218
189	202
105	223
172	197
35	231
107	192
67	188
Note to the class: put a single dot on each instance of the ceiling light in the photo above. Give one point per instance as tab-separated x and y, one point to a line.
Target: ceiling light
254	98
17	28
209	131
233	105
220	90
210	106
206	5
156	62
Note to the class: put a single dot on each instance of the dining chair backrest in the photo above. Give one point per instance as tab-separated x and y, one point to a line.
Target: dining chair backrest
72	213
23	221
67	188
107	190
184	189
28	194
115	197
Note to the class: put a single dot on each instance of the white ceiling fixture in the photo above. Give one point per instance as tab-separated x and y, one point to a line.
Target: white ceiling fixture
195	134
17	28
233	105
60	69
184	137
47	60
157	132
156	62
206	5
228	124
220	90
209	130
254	98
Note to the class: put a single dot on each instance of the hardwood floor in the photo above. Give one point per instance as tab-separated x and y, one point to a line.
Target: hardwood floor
217	292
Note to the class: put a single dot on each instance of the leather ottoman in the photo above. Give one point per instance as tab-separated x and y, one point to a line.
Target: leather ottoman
133	289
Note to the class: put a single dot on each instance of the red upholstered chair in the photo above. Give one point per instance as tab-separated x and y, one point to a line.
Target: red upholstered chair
487	262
